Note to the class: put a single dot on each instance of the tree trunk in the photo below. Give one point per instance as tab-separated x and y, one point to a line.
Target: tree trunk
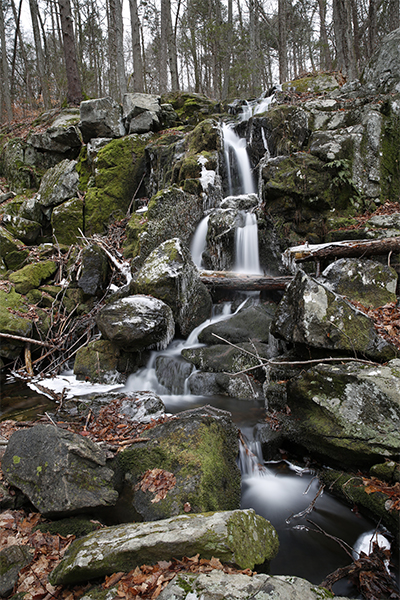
120	64
282	49
356	29
345	249
136	48
230	280
172	53
74	91
372	26
112	50
325	58
394	15
6	92
39	53
228	53
163	63
344	39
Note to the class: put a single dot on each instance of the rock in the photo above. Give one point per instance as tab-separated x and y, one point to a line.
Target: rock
31	276
58	185
117	170
349	413
309	313
172	213
12	560
323	82
67	221
11	250
137	103
170	274
172	372
236	386
59	471
62	136
388	471
224	358
220	252
137	323
368	282
249	323
144	123
103	362
22	229
237	586
382	74
223	535
101	117
95	270
142	406
195	454
20	175
13	322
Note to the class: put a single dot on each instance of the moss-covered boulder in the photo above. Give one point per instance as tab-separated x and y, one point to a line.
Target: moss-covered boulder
119	167
67	221
171	213
58	185
311	315
12	560
60	472
349	413
12	322
223	358
137	323
170	274
19	174
22	229
31	276
190	107
195	455
366	281
318	83
12	252
102	361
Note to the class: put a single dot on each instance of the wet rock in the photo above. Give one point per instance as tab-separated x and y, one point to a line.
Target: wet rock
223	535
172	372
311	314
388	471
137	323
67	221
196	453
141	406
103	362
236	386
101	117
31	276
220	253
224	358
170	274
216	585
59	471
382	74
251	323
11	250
368	282
12	560
95	270
349	413
58	185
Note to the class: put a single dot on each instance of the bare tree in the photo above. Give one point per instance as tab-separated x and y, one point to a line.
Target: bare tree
138	83
282	49
74	90
346	61
44	84
6	93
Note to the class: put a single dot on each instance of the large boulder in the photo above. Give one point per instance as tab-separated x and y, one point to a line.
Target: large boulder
382	74
95	270
101	117
59	471
12	560
67	221
224	535
349	413
141	112
187	464
170	274
312	315
222	358
31	276
102	361
13	321
368	282
58	185
240	386
137	323
63	135
12	252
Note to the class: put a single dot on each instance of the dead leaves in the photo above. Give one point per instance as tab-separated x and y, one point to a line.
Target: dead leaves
157	481
374	485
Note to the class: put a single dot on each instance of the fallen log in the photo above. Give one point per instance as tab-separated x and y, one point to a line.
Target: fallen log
343	249
240	281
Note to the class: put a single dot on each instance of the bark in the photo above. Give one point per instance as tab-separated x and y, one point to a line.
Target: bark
372	26
163	62
138	85
348	249
325	58
282	26
74	90
39	53
356	29
6	91
228	53
172	53
237	281
120	64
112	49
346	61
394	15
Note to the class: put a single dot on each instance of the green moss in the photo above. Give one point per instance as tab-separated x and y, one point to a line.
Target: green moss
83	169
390	158
204	138
31	276
77	526
16	460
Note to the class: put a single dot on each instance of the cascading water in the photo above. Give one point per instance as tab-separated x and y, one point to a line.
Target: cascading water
246	245
237	160
198	244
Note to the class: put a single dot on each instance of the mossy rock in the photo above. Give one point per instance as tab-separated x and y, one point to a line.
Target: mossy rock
31	276
67	221
390	152
25	230
12	251
103	362
200	449
119	168
317	83
190	107
12	306
77	526
205	137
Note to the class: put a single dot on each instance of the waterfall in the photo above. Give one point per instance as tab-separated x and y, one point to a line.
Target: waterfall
237	158
246	246
198	244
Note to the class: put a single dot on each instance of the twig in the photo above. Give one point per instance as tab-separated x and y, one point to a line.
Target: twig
128	212
309	508
20	338
50	419
341	543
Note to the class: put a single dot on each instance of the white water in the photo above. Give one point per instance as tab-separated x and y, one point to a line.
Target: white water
246	247
199	242
235	147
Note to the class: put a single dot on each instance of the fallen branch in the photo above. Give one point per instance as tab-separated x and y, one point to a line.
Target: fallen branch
240	281
343	249
20	338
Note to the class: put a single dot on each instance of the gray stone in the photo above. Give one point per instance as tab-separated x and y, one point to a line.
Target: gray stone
58	185
170	274
137	323
385	221
145	122
102	361
223	535
62	136
349	413
12	560
101	118
383	72
25	230
310	314
224	358
95	270
134	104
11	250
236	386
237	586
67	221
368	282
59	471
